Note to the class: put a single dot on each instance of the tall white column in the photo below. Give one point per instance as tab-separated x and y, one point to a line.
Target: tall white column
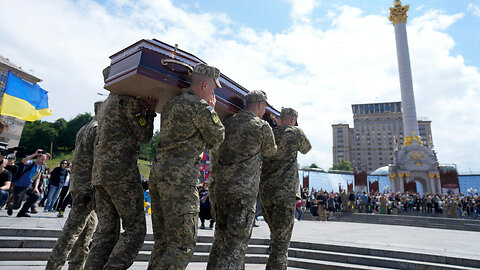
410	125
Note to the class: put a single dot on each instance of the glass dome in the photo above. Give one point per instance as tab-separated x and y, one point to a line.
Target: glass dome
380	171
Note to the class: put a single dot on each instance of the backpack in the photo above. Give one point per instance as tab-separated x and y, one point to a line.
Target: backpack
21	170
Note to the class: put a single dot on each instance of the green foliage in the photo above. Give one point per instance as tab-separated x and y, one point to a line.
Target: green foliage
314	166
144	168
147	151
40	134
55	162
69	133
343	165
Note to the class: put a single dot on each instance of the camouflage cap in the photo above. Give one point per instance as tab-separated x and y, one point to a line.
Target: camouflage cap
256	96
289	111
208	71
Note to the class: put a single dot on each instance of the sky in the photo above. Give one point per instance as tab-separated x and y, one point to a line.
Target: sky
316	56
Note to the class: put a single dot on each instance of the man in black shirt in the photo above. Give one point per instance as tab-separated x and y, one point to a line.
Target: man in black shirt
351	202
11	164
5	181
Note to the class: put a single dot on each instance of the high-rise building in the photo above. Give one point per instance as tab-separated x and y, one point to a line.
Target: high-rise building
370	143
15	125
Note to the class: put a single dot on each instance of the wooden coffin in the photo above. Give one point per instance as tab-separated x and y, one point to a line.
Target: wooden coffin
154	68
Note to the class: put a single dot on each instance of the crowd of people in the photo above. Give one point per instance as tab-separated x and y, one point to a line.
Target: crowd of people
323	205
32	182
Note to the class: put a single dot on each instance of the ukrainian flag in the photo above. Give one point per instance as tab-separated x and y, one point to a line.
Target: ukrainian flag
24	100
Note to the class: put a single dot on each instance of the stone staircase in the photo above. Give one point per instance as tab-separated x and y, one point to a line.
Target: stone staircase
35	245
407	220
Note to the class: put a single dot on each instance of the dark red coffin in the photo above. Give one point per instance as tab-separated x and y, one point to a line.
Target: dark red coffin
154	68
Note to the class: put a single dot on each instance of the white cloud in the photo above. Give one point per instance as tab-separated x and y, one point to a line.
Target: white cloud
474	8
302	9
319	71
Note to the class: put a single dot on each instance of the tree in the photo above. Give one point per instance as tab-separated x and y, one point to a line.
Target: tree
343	165
70	132
60	125
40	134
314	166
148	151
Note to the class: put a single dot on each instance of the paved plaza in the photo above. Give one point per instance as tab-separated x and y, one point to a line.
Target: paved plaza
452	243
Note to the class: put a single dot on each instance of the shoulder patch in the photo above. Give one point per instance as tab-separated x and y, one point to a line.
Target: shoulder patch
140	119
214	115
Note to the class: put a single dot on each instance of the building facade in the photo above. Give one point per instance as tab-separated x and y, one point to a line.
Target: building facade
376	128
15	125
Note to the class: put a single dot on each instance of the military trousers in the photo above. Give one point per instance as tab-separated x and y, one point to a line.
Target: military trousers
114	203
174	222
279	213
234	221
74	238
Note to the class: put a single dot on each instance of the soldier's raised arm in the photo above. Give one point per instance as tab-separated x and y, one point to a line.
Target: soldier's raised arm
304	144
208	123
140	117
269	147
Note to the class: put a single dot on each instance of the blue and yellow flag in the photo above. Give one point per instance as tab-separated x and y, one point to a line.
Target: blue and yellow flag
24	100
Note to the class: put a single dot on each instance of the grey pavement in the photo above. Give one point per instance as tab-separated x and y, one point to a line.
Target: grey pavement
451	243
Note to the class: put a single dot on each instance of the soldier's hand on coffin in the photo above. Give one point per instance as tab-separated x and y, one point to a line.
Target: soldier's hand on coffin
150	103
212	100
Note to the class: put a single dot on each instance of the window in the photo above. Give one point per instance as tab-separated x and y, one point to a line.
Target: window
3	77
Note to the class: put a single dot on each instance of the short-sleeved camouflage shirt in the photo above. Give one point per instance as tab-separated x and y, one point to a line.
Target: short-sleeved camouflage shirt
247	139
188	126
122	124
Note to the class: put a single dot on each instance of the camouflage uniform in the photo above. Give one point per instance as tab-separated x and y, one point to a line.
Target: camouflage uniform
78	229
278	187
237	176
188	126
122	123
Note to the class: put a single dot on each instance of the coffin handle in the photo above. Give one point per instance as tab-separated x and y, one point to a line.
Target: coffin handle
167	61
